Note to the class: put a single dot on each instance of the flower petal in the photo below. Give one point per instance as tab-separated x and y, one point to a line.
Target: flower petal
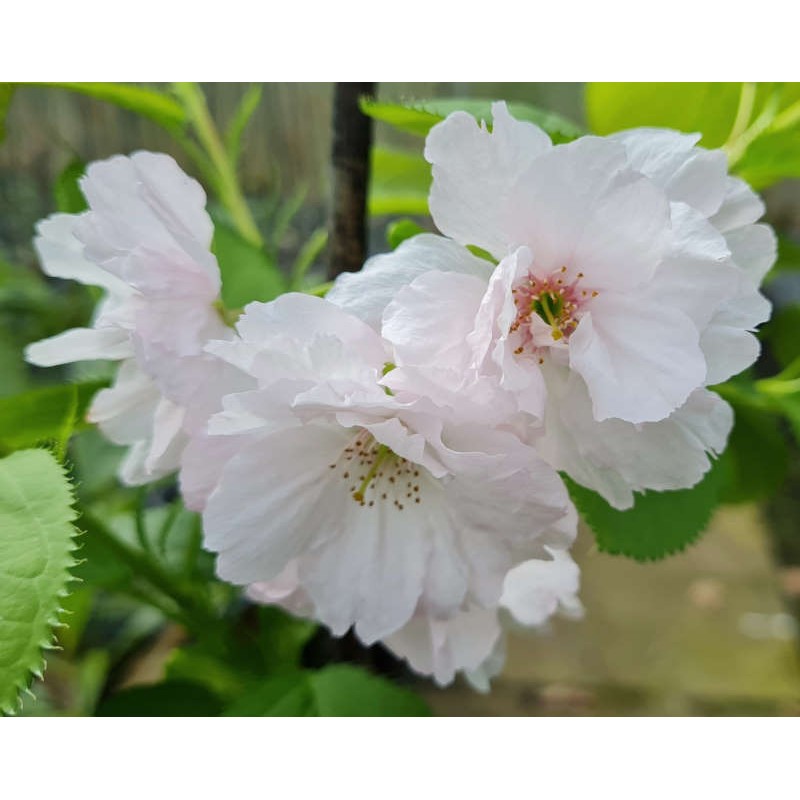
640	360
475	175
273	500
80	344
366	294
441	648
428	321
688	174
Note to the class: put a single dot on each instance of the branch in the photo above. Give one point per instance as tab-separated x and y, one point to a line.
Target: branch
352	138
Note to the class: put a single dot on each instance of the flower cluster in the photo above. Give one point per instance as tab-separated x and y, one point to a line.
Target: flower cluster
386	459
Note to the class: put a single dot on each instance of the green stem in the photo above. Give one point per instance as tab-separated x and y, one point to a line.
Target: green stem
141	528
230	193
736	148
747	99
195	614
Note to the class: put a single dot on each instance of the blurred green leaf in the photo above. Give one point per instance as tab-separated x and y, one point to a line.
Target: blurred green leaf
282	637
707	108
282	696
340	690
169	699
344	691
6	93
100	564
757	456
659	524
759	124
244	112
12	368
67	192
308	254
36	555
399	183
771	157
783	333
788	258
248	273
194	665
40	415
420	116
400	230
151	103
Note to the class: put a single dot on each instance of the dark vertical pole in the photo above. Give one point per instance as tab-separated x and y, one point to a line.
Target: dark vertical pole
352	138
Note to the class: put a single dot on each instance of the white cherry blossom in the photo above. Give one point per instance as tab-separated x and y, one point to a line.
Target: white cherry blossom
145	241
377	508
627	282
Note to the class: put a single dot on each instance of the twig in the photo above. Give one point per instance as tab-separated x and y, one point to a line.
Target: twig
352	138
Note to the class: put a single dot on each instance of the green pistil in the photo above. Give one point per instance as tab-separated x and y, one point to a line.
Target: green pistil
383	453
549	306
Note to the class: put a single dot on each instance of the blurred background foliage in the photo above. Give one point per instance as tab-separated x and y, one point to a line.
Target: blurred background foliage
149	630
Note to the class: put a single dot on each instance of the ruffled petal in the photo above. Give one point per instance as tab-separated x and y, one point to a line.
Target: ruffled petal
80	344
441	648
754	248
276	496
640	360
687	174
536	589
740	206
615	458
366	294
476	174
428	321
61	255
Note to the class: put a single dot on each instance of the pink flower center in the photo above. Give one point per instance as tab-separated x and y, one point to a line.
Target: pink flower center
548	310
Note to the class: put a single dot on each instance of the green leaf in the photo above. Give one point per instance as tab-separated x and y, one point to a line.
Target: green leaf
660	523
708	108
244	112
45	415
399	182
36	555
397	232
282	637
420	116
282	696
345	691
783	333
194	665
169	699
409	118
759	124
788	258
757	456
150	103
336	691
770	158
6	93
248	273
67	191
